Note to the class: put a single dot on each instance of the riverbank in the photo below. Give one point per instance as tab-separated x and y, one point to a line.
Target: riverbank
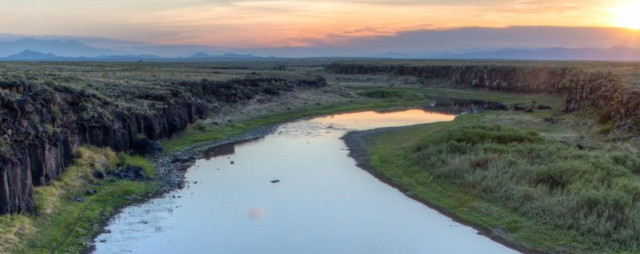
543	182
69	225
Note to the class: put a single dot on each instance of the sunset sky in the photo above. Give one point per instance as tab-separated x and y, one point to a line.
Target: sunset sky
257	23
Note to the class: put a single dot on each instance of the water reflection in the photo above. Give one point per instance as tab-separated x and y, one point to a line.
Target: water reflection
294	191
371	119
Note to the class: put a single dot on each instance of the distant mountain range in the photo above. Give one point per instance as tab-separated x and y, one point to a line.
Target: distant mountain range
70	48
30	55
28	49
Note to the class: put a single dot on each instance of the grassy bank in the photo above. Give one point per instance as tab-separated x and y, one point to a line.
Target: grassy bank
540	185
201	133
63	225
372	98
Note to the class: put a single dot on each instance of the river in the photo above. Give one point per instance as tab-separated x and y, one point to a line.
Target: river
294	191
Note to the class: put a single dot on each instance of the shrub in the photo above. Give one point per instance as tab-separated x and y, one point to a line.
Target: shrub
56	112
478	134
201	126
140	136
607	128
606	116
5	147
388	94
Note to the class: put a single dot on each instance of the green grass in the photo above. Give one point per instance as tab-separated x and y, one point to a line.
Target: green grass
199	134
505	171
125	159
65	226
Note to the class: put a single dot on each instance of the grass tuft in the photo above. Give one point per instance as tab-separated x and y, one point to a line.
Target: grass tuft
66	225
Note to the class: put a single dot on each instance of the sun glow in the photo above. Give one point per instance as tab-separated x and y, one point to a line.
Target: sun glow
628	15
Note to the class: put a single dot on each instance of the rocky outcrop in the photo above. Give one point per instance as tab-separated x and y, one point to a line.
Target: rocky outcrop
583	89
41	127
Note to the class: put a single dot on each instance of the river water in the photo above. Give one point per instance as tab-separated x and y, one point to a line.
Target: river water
320	203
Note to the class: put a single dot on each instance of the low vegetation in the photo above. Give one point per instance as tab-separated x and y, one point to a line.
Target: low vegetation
511	175
591	193
67	216
202	133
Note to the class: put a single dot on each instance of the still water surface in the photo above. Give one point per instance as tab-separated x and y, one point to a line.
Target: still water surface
322	204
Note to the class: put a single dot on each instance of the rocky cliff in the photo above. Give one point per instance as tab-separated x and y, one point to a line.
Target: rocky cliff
42	124
604	89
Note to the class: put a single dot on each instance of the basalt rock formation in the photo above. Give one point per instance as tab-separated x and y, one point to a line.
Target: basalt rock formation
42	126
607	90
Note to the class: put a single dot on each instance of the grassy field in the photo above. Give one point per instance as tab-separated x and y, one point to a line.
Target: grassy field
514	174
140	87
551	187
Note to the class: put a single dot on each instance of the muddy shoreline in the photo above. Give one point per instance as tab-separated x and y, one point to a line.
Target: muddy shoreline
357	143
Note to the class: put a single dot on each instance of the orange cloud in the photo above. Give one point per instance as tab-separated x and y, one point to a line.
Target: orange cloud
295	23
254	23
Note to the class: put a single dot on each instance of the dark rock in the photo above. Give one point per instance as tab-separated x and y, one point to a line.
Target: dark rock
77	199
580	147
529	110
271	91
184	166
498	232
551	120
517	107
544	107
232	162
131	173
145	146
182	159
496	106
275	181
98	174
92	192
